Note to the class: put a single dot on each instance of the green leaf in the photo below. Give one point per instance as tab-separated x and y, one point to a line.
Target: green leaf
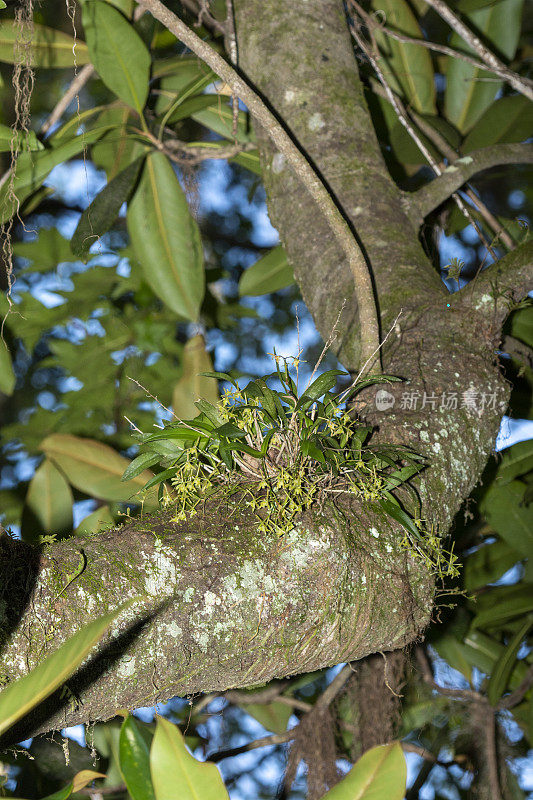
101	214
310	449
101	519
272	716
270	273
406	67
45	252
504	666
23	140
176	773
48	507
488	564
503	507
142	462
7	376
95	468
453	652
517	460
19	697
501	608
521	325
49	48
33	168
80	780
509	119
191	105
381	773
166	239
323	383
470	91
118	53
220	120
196	379
135	761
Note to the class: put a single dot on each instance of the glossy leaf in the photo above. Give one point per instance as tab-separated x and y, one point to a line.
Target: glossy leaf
80	780
101	214
48	507
488	564
504	666
7	376
509	119
19	697
192	384
270	273
272	716
49	47
453	652
24	140
190	106
94	468
166	239
503	606
380	773
117	52
469	91
516	461
135	761
521	326
33	168
406	67
46	251
176	773
220	120
100	519
503	507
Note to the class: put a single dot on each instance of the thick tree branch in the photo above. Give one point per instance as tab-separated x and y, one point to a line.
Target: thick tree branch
429	197
495	291
478	47
368	319
218	605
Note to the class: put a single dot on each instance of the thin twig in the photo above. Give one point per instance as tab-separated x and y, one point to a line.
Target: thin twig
372	54
478	47
266	741
450	51
491	754
459	694
363	289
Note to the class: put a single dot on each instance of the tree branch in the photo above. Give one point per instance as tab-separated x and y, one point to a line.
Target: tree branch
429	197
477	45
499	286
368	318
217	604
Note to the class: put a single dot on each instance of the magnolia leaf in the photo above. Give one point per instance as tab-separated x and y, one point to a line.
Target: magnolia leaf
269	274
166	239
98	520
135	761
95	468
380	773
7	376
503	507
48	507
117	52
101	214
19	697
407	67
470	91
504	666
176	773
509	119
49	48
193	385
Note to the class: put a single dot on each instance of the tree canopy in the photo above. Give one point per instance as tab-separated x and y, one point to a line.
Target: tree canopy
316	550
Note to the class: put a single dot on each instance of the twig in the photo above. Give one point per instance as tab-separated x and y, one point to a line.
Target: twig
459	694
206	19
477	45
332	690
368	317
403	117
266	741
450	51
74	88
